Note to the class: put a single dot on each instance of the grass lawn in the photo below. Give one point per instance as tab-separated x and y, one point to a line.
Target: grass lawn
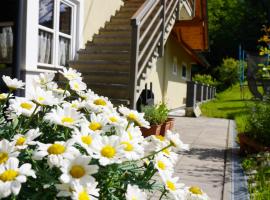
229	105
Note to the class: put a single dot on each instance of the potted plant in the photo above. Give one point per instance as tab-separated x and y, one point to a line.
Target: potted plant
168	121
155	119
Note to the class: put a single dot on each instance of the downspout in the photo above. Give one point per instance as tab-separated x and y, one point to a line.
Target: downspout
18	40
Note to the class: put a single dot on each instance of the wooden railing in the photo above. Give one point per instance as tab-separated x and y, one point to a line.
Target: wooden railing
148	24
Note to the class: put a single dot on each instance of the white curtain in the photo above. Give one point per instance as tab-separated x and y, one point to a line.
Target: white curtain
45	44
6	43
63	51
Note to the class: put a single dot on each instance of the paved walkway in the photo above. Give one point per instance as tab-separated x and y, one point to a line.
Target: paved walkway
206	165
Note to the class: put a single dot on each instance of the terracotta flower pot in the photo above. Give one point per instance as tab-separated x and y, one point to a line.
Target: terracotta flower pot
153	130
171	120
249	145
164	127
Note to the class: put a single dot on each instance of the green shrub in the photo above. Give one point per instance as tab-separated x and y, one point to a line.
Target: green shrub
204	79
259	123
227	72
156	114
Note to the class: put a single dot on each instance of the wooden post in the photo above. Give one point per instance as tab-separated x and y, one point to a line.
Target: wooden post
135	34
163	16
191	94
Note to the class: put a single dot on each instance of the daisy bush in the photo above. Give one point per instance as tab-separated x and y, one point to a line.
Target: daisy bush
70	143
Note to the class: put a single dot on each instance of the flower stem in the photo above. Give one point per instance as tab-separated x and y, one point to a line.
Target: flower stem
156	152
31	117
163	193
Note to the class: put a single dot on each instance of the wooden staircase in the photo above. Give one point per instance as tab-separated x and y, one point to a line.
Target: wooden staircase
115	63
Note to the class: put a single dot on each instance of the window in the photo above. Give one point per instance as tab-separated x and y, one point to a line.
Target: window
174	66
56	32
184	71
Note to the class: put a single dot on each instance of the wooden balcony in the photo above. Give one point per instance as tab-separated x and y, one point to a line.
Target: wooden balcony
194	33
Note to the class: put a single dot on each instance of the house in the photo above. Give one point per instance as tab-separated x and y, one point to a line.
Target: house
132	51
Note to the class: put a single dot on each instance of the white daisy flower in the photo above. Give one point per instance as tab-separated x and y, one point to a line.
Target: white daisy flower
22	106
134	133
7	150
60	93
76	104
43	97
78	170
195	193
3	96
11	177
97	123
163	164
172	156
56	153
174	138
13	84
89	94
83	137
77	85
107	149
43	79
175	188
99	104
22	141
71	74
134	116
131	148
64	190
134	193
87	192
65	116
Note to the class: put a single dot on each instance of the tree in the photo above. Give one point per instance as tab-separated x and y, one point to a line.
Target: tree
234	22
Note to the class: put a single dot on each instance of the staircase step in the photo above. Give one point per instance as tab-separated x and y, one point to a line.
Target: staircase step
119	102
110	26
105	51
107	77
84	55
112	46
114	91
111	39
120	33
85	66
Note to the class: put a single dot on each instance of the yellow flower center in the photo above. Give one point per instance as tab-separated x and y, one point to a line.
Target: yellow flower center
3	157
161	165
113	119
171	185
67	120
87	139
95	126
132	117
160	137
108	151
40	99
3	96
56	149
8	175
195	190
26	106
74	105
76	86
166	151
128	146
130	135
134	198
20	141
100	102
83	196
77	171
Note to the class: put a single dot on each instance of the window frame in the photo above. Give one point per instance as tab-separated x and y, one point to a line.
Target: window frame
184	65
57	34
175	66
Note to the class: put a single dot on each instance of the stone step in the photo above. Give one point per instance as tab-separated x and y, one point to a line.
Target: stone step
112	46
85	66
111	39
114	91
85	55
108	77
105	51
110	26
119	102
120	33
